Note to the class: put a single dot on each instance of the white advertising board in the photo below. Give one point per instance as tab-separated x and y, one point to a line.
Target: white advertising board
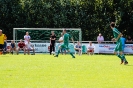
99	48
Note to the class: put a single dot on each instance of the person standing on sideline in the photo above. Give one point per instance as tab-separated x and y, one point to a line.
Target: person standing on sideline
2	38
123	40
100	38
27	37
52	42
65	43
118	47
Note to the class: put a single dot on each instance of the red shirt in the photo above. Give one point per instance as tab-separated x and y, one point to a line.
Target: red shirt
21	45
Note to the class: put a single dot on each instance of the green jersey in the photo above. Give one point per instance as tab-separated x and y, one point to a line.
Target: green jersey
66	38
116	33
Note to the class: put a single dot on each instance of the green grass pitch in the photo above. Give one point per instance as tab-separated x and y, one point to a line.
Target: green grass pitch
45	71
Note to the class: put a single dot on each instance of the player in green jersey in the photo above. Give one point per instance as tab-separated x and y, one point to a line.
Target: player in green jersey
118	47
65	43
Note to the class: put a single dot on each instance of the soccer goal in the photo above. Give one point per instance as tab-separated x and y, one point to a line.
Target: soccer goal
41	36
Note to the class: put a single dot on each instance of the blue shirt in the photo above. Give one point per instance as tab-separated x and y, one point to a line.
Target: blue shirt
123	40
78	46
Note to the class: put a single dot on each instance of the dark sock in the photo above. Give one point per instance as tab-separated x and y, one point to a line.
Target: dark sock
123	57
72	54
119	56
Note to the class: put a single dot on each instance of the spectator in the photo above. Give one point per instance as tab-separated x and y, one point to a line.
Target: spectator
90	48
29	47
12	46
27	37
52	42
21	46
129	39
100	38
78	48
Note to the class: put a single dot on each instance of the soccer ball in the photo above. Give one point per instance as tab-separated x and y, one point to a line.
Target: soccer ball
53	52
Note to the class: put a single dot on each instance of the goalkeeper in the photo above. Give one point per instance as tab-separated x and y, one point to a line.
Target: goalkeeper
65	43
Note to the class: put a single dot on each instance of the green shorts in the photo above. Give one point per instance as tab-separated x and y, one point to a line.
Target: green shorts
64	46
118	47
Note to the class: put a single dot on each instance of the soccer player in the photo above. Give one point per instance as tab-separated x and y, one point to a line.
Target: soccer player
2	38
52	42
21	46
27	37
123	40
29	48
118	47
13	46
61	42
65	43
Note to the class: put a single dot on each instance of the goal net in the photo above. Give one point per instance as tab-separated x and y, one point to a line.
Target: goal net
40	36
44	33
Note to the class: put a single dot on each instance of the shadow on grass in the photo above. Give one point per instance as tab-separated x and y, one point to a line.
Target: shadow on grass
128	65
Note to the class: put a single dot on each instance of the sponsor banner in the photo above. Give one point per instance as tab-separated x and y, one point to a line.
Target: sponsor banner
128	48
106	48
99	48
109	48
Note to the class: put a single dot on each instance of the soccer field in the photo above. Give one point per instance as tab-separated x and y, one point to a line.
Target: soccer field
45	71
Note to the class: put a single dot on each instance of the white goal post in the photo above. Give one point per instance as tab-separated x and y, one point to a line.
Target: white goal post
46	29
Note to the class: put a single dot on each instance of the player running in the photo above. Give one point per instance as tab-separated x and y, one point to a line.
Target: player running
65	43
118	47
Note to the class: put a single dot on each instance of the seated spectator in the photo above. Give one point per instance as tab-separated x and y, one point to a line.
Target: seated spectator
8	49
21	46
12	46
90	48
78	48
100	38
129	39
29	47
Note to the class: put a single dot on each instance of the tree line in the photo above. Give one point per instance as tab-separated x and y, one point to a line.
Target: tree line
92	16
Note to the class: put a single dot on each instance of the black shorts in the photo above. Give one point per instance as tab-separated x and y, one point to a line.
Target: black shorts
1	46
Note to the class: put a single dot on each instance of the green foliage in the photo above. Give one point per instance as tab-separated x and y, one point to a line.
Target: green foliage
92	16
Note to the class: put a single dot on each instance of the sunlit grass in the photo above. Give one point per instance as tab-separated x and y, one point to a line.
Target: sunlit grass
45	71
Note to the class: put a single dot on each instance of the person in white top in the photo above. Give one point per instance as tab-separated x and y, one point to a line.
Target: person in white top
90	48
27	38
29	47
100	38
61	38
61	41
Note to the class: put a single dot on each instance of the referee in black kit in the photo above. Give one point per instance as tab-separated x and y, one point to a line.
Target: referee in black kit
52	42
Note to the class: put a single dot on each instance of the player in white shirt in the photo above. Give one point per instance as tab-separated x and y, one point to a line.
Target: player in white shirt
27	38
61	41
90	48
29	47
